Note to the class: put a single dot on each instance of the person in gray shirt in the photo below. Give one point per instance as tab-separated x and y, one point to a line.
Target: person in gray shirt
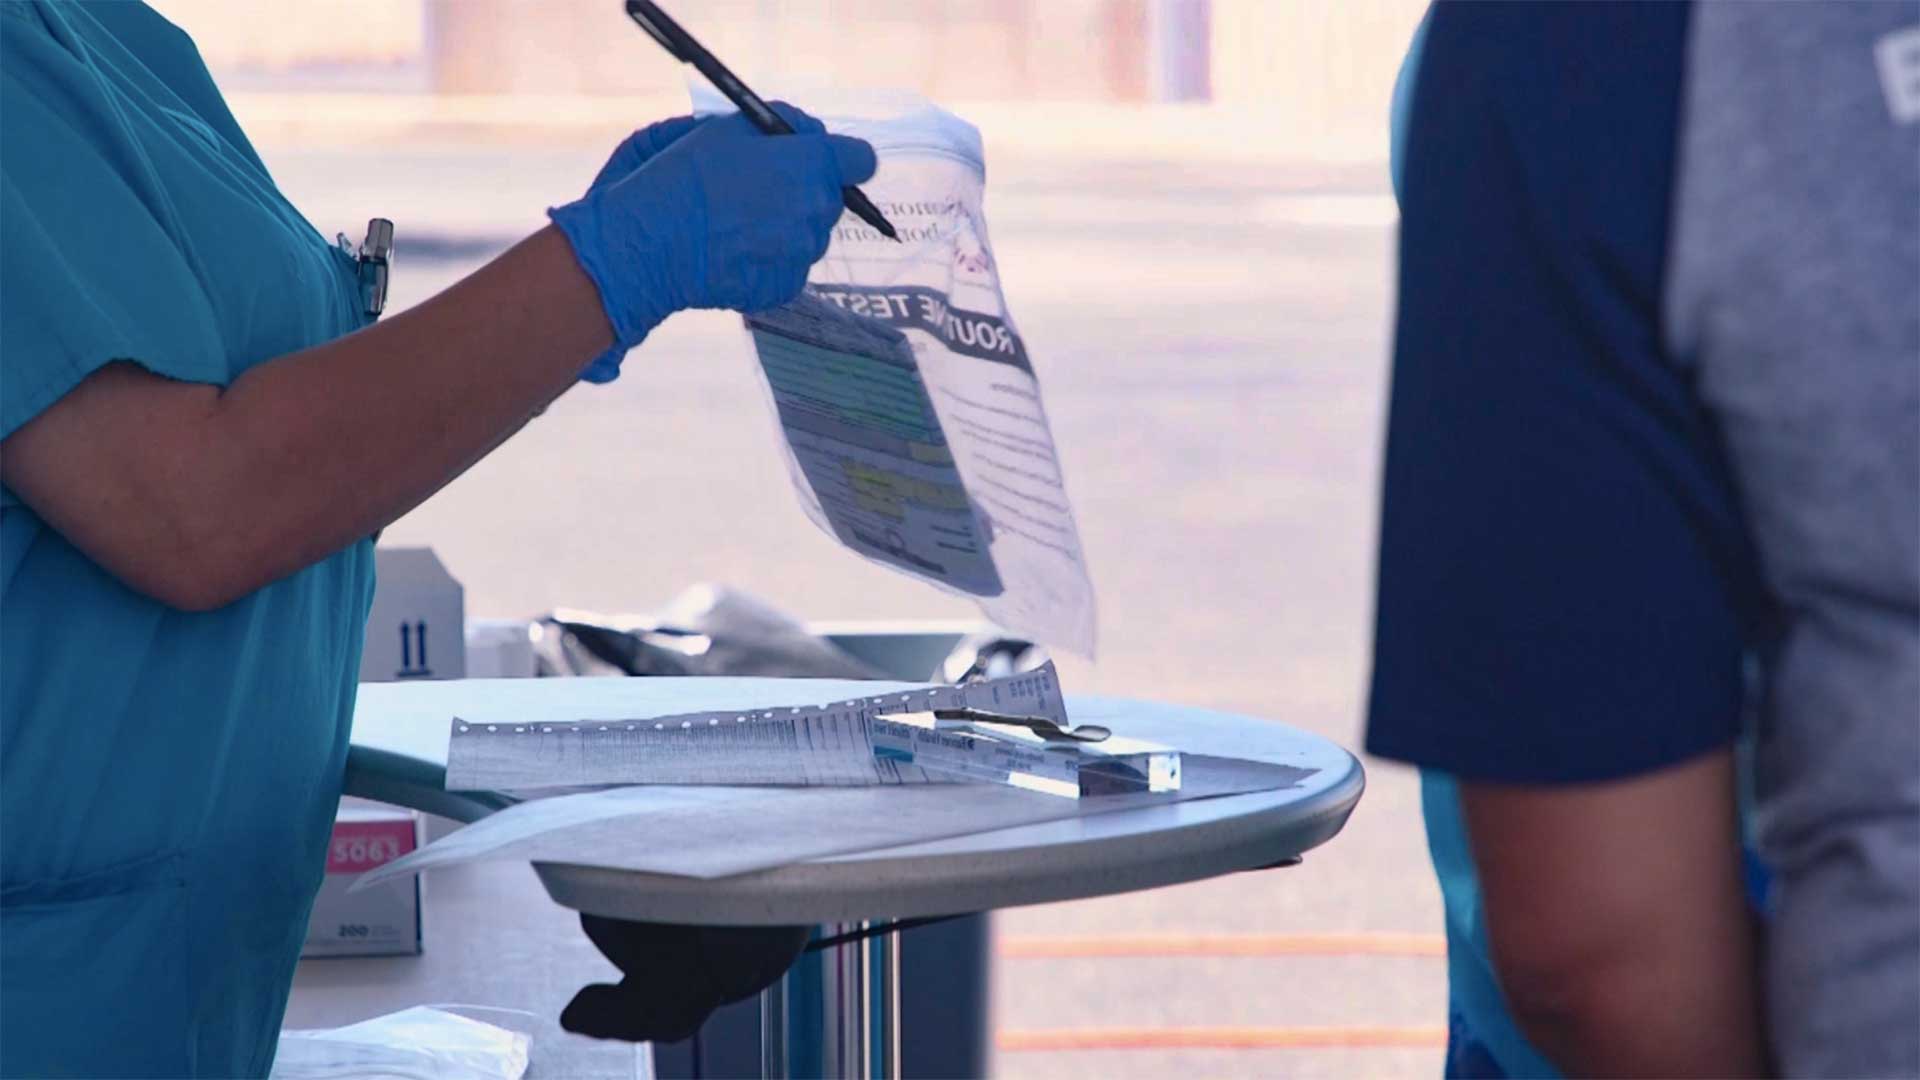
1651	531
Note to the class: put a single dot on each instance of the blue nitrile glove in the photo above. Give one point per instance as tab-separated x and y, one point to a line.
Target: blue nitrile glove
641	146
634	151
722	217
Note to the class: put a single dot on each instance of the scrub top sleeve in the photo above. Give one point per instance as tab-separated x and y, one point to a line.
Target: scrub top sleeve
174	59
91	273
1564	580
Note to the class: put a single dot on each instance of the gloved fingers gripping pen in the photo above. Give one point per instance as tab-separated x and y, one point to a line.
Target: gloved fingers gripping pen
641	147
722	217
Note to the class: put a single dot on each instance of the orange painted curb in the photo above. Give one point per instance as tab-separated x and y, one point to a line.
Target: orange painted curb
1222	1038
1115	945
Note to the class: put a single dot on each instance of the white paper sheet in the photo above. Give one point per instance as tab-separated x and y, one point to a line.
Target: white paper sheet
875	466
912	414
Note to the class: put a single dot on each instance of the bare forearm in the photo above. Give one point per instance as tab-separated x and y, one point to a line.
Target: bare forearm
329	444
1617	921
197	496
1648	1014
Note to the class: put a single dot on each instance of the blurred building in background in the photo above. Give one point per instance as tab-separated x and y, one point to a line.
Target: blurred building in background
1071	50
1319	65
342	42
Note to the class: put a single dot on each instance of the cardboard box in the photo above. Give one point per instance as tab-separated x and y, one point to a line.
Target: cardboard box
383	920
417	628
500	649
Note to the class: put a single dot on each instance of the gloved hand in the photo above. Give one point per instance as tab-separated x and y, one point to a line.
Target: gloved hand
676	976
720	217
634	151
640	147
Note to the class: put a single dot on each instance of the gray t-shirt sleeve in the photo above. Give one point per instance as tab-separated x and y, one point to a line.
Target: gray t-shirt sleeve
1793	304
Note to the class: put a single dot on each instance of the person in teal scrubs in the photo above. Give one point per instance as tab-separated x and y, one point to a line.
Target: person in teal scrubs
200	428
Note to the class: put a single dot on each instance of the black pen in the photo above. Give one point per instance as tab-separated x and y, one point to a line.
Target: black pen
681	46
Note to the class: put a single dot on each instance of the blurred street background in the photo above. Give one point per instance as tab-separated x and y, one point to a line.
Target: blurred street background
1190	207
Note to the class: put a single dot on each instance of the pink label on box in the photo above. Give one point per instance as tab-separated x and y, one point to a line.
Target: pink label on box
359	846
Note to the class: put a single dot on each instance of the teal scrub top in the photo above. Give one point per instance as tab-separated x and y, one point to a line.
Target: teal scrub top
167	779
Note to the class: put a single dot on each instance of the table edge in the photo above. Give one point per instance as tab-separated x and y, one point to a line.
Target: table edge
916	886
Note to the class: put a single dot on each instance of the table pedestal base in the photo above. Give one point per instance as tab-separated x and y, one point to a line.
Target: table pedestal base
836	1013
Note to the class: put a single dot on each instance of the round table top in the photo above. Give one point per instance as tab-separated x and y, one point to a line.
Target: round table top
399	751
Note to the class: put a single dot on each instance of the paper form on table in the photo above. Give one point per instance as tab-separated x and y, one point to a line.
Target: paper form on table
711	832
810	744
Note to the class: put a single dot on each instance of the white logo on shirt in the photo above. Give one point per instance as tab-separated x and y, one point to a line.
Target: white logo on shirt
1897	55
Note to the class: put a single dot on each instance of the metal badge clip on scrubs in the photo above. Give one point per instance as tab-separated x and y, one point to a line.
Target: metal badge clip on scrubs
374	258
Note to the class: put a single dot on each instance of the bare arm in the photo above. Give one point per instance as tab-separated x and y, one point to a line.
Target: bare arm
197	496
1617	920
